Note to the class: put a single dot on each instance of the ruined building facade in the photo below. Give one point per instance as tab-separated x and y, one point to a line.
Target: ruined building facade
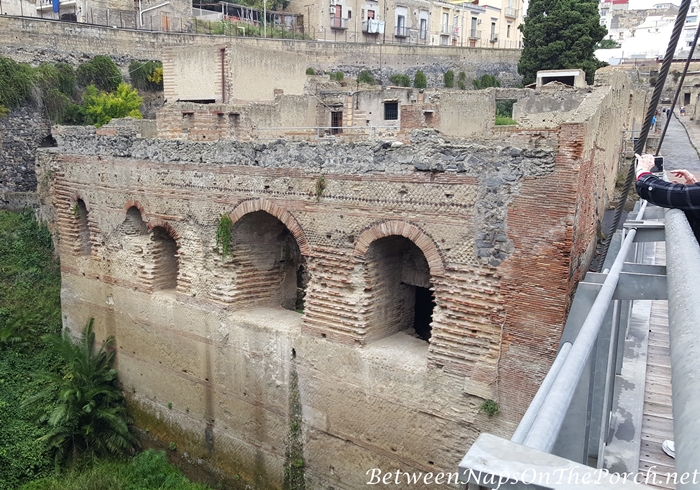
373	294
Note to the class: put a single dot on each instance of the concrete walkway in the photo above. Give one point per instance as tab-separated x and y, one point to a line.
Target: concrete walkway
680	144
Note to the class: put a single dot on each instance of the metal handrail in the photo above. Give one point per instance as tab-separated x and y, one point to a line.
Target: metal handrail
557	394
683	271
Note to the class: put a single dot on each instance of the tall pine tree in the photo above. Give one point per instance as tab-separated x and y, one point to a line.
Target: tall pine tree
560	34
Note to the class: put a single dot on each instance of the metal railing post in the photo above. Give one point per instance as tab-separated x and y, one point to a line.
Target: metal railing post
683	273
550	419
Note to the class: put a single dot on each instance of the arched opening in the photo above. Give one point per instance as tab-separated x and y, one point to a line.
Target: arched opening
133	224
269	265
165	259
398	281
81	215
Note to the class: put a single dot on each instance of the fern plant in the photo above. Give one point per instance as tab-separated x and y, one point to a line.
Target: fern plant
89	417
223	236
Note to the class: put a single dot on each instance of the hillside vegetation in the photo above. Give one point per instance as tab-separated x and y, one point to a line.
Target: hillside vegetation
62	419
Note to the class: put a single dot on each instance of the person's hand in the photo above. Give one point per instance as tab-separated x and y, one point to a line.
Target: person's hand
644	163
684	174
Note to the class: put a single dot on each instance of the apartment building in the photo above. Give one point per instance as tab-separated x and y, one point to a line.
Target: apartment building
478	23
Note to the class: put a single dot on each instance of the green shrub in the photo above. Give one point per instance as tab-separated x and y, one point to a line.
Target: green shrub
489	407
310	71
504	107
400	80
16	81
100	107
223	235
29	281
419	81
30	307
486	81
146	75
100	72
365	76
449	79
338	76
462	81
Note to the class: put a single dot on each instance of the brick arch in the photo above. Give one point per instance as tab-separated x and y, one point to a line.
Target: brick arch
407	230
135	204
253	205
157	222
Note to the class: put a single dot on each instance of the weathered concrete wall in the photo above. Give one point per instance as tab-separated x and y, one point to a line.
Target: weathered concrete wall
503	228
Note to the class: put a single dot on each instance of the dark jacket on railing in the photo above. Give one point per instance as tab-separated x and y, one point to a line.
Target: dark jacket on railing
669	195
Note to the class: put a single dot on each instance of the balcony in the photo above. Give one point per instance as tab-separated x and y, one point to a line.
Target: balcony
401	31
373	26
474	34
339	23
445	31
511	12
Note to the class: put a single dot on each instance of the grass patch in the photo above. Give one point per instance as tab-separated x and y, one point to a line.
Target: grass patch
149	470
30	305
504	120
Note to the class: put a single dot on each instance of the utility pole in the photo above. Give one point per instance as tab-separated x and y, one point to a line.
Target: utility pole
264	18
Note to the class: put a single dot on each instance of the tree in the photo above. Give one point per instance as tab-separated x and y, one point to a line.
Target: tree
100	107
449	79
101	72
560	34
486	81
420	81
89	415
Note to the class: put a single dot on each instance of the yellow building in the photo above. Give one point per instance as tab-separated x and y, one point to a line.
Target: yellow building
479	23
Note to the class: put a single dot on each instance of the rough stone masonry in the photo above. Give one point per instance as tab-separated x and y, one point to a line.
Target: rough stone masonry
371	298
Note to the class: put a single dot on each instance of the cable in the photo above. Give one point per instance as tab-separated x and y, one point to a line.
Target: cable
678	89
641	141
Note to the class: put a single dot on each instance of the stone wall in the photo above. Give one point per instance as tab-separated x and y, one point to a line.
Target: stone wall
35	40
21	132
500	230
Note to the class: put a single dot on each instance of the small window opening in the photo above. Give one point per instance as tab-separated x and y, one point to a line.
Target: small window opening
81	214
565	80
336	122
686	98
165	259
504	111
391	111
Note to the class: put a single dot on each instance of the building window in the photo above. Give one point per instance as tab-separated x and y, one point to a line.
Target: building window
336	122
508	31
493	31
445	22
401	26
391	111
423	28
